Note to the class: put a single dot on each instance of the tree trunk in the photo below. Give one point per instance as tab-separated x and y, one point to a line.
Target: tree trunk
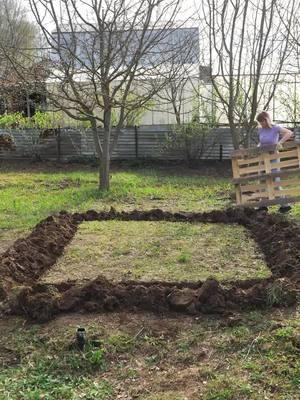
100	153
235	136
105	159
104	171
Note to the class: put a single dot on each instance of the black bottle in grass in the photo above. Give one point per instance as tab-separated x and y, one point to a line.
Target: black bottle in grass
81	338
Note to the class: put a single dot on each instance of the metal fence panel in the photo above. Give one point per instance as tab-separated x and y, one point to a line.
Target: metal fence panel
147	141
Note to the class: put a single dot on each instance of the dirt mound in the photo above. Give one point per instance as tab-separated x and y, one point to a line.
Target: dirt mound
279	240
28	258
42	302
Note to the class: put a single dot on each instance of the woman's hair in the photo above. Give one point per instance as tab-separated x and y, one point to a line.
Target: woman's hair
264	116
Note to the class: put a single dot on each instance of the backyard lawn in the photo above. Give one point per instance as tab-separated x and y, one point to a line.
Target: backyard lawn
253	355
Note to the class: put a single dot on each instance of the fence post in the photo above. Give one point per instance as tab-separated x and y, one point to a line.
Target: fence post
136	141
221	152
58	143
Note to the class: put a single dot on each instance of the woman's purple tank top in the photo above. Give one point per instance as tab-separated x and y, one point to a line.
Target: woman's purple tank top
268	136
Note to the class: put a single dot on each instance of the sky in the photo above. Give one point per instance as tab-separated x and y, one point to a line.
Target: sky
188	9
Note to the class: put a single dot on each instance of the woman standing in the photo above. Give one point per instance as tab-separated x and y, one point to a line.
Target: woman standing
270	134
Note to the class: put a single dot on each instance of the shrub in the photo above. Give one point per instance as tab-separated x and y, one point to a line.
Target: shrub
194	139
40	120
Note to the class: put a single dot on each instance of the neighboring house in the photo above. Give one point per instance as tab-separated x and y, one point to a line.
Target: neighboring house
85	45
82	46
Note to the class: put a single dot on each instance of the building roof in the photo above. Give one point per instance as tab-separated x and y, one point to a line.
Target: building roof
179	44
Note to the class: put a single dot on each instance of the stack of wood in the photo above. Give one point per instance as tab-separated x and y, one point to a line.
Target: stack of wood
265	176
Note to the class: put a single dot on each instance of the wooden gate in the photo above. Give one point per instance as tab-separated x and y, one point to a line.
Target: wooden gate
264	176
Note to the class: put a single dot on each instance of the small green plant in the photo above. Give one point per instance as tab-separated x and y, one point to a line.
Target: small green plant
121	343
226	388
97	390
127	373
285	333
96	357
240	332
164	396
153	341
279	294
184	345
184	257
152	360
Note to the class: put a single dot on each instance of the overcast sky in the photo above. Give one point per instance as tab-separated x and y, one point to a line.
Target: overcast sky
188	9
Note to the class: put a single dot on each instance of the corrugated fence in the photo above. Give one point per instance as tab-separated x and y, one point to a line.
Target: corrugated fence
147	141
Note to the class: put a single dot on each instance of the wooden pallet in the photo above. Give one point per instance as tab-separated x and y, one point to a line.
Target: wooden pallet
264	176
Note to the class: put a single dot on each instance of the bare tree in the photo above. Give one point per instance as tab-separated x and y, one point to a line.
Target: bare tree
289	95
290	102
17	34
105	56
182	78
291	30
247	52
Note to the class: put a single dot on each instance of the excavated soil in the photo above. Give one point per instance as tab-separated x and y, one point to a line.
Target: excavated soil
24	262
27	259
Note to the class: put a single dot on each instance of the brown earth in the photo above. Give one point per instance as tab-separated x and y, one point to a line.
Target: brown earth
25	261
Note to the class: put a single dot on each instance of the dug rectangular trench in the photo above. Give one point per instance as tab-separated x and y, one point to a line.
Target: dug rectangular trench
27	260
165	251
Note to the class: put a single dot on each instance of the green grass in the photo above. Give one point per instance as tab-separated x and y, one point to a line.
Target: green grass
164	396
41	383
251	356
149	358
159	251
27	197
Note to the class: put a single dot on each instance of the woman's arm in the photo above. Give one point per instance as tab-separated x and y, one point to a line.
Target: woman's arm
285	135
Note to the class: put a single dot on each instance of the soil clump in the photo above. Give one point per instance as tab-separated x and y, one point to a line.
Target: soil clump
28	258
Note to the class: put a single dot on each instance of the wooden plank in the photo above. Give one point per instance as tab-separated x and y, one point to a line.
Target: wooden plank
288	182
298	152
253	188
267	163
286	164
285	154
259	168
235	169
287	192
238	194
276	194
256	196
278	201
242	153
259	150
248	161
269	180
283	173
